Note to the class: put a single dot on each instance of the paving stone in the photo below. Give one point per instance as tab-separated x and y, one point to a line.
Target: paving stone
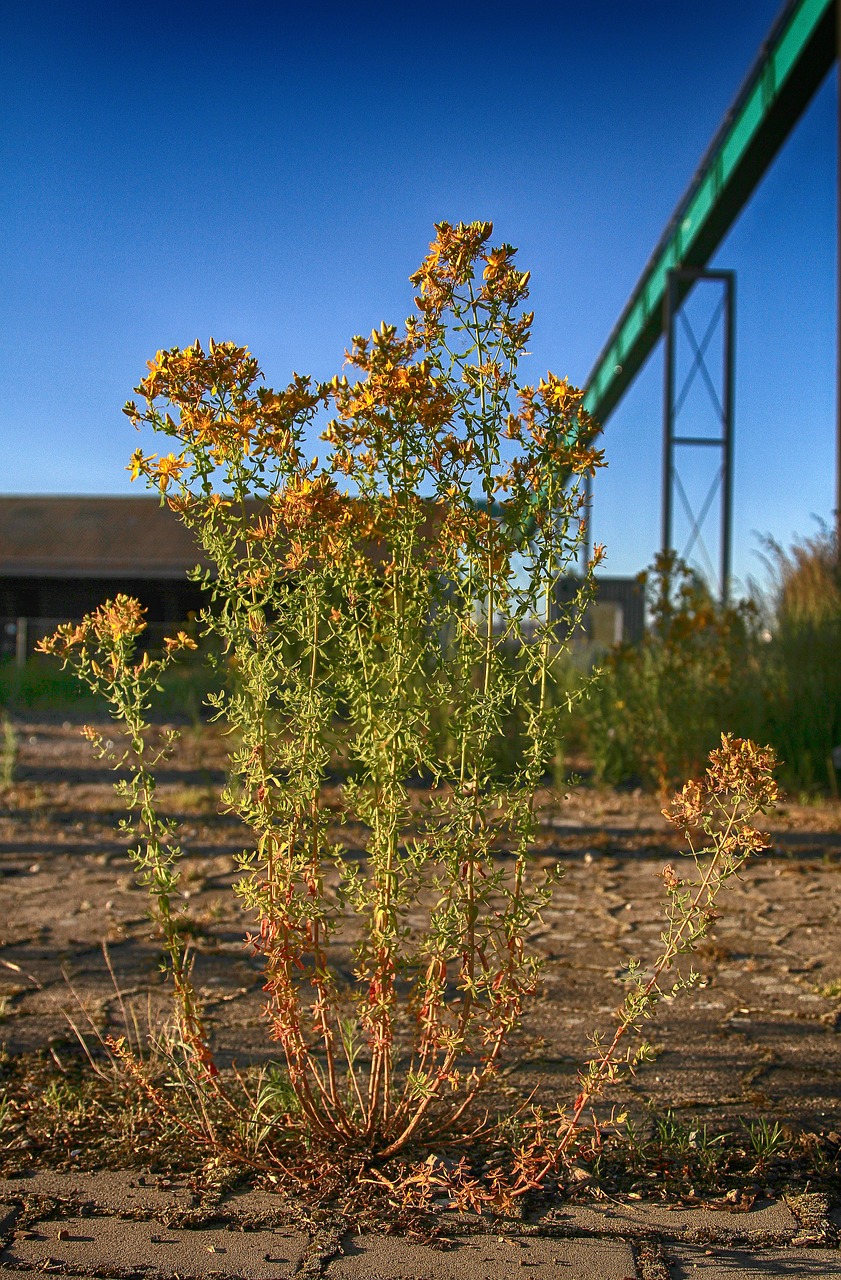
127	1192
97	1241
369	1257
686	1263
120	1191
262	1208
770	1221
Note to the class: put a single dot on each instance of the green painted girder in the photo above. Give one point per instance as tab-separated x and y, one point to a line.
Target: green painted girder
791	65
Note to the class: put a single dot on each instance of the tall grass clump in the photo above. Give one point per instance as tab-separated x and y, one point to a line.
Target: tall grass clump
660	705
8	750
801	662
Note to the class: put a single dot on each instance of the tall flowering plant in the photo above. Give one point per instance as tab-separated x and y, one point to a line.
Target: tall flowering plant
362	601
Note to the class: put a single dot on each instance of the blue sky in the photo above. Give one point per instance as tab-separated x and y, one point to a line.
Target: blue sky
271	174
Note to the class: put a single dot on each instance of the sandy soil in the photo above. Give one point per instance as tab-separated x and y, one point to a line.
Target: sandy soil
760	1036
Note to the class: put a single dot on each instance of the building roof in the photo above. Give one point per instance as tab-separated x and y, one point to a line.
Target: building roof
92	537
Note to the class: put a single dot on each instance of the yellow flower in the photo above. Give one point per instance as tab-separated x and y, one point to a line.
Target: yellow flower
179	641
169	468
117	619
139	463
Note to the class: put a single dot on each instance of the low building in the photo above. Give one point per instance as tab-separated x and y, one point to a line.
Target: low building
60	557
616	614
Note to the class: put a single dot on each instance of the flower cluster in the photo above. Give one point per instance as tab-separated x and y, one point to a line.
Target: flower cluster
738	770
117	621
450	266
222	414
740	767
398	393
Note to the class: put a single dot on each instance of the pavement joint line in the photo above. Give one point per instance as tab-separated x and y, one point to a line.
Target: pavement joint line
673	1235
324	1246
812	1211
649	1261
811	1228
35	1206
9	1214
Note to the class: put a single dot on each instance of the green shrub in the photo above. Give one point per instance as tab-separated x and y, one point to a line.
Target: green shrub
660	705
42	686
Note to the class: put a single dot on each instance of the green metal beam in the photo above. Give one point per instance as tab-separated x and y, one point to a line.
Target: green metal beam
798	53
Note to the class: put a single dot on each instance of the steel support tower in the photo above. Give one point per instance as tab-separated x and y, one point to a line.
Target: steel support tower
674	399
792	63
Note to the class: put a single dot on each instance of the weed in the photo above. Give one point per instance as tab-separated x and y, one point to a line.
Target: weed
103	649
738	785
408	582
766	1140
274	1102
671	1136
361	603
686	1149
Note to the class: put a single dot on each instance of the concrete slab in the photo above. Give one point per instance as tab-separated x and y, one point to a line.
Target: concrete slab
117	1222
768	1222
370	1257
91	1243
686	1263
257	1208
118	1191
135	1195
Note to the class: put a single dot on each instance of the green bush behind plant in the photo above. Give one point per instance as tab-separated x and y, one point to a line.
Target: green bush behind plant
766	669
660	705
41	686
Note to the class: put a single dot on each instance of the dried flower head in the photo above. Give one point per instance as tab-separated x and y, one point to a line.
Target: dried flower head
740	767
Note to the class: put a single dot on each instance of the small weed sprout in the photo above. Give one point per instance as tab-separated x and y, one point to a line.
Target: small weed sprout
766	1140
102	650
738	785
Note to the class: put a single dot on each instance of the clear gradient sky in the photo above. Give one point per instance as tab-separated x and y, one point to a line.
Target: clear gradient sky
271	173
